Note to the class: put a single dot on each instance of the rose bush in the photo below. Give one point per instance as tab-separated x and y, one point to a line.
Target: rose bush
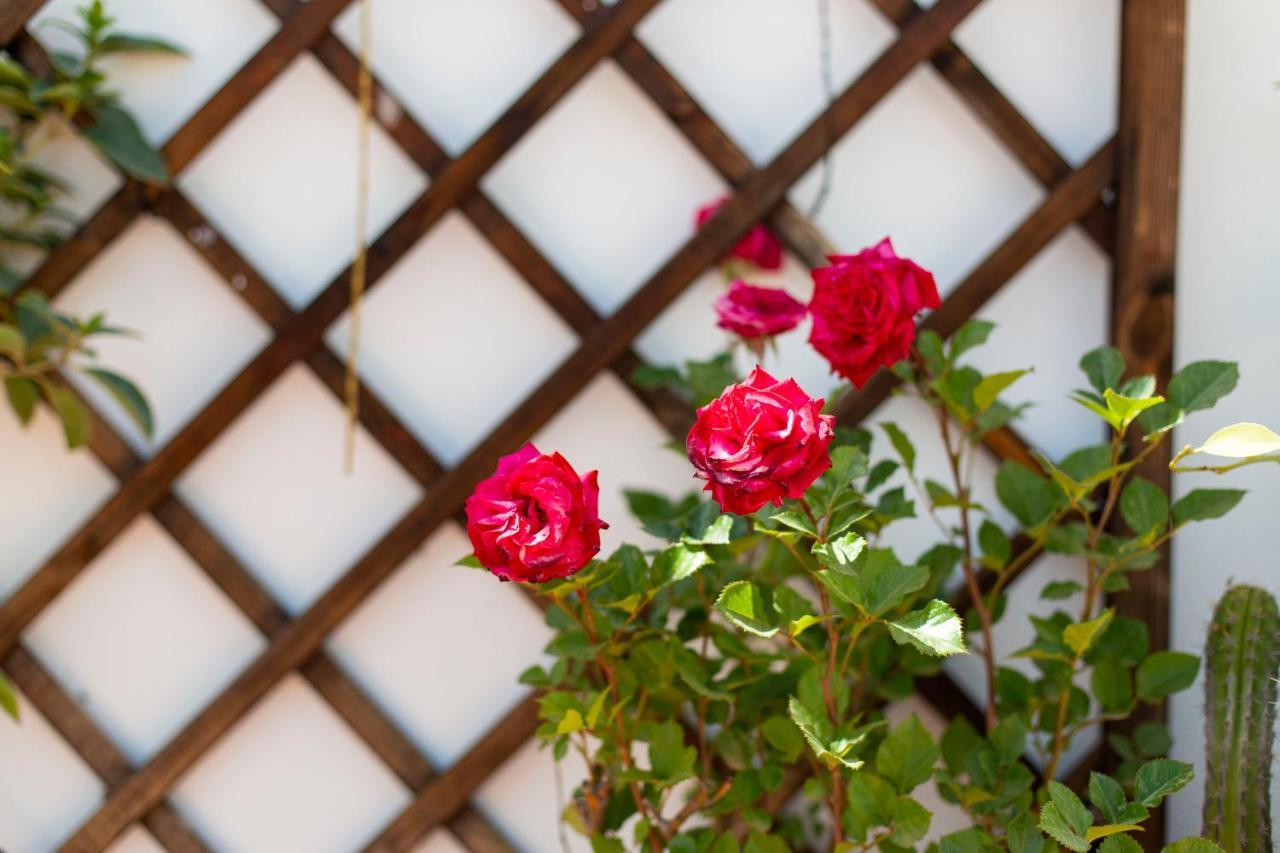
752	653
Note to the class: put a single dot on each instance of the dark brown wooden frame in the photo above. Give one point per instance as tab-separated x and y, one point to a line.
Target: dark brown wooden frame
1138	232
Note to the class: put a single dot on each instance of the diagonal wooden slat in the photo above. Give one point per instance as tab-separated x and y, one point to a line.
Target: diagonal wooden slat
305	331
382	736
14	15
300	29
1065	203
95	748
1018	134
599	348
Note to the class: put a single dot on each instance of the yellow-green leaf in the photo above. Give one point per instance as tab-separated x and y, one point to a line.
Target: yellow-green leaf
1093	833
986	391
1080	635
571	722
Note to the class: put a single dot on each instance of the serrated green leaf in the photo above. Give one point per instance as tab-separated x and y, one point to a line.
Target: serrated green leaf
821	736
1204	504
971	333
679	562
886	582
845	554
907	755
1144	507
1023	836
1201	384
1192	845
670	759
1119	844
1163	673
1111	685
784	737
744	605
934	629
1065	818
1158	779
1030	497
1103	366
1106	795
996	548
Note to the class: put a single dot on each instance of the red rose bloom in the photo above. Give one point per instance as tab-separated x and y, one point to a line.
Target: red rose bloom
759	246
756	312
535	519
864	310
760	442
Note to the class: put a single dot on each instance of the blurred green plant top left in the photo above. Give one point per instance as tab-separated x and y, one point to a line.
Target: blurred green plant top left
39	344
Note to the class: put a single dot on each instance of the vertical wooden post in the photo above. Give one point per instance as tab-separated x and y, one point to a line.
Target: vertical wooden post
1142	294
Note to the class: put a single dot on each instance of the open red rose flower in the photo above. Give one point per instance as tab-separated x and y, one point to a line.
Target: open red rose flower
759	442
864	310
758	246
535	519
754	312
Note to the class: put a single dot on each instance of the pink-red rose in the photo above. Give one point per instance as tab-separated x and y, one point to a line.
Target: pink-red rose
535	519
864	310
759	246
751	312
760	442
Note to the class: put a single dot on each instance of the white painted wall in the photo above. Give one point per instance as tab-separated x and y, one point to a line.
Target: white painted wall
1228	305
606	189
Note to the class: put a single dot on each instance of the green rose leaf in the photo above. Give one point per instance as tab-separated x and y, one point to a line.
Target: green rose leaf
906	451
1201	384
1125	409
825	742
1066	819
1030	497
1111	685
1023	836
1080	635
743	604
844	554
934	629
117	135
1204	504
1144	507
1163	673
72	413
679	562
1119	844
907	755
996	548
669	758
973	333
23	395
1103	366
1059	590
986	391
1160	778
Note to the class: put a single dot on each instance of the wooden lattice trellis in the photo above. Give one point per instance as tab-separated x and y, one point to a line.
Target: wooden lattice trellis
1134	226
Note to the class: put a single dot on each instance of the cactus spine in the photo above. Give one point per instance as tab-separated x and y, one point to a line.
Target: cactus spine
1242	657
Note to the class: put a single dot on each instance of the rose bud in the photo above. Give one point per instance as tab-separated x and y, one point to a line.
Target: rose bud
758	246
864	310
535	519
759	442
757	312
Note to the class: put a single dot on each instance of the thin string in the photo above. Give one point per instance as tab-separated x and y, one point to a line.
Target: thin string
364	91
829	90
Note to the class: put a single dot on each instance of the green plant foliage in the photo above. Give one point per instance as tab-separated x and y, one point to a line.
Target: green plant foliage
747	648
38	344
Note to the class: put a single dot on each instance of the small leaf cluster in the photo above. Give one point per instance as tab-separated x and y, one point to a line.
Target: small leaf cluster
38	344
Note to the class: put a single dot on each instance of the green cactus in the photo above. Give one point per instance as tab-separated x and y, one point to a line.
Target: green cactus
1242	656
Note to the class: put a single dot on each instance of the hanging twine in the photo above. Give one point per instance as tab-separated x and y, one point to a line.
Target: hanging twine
364	91
828	88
